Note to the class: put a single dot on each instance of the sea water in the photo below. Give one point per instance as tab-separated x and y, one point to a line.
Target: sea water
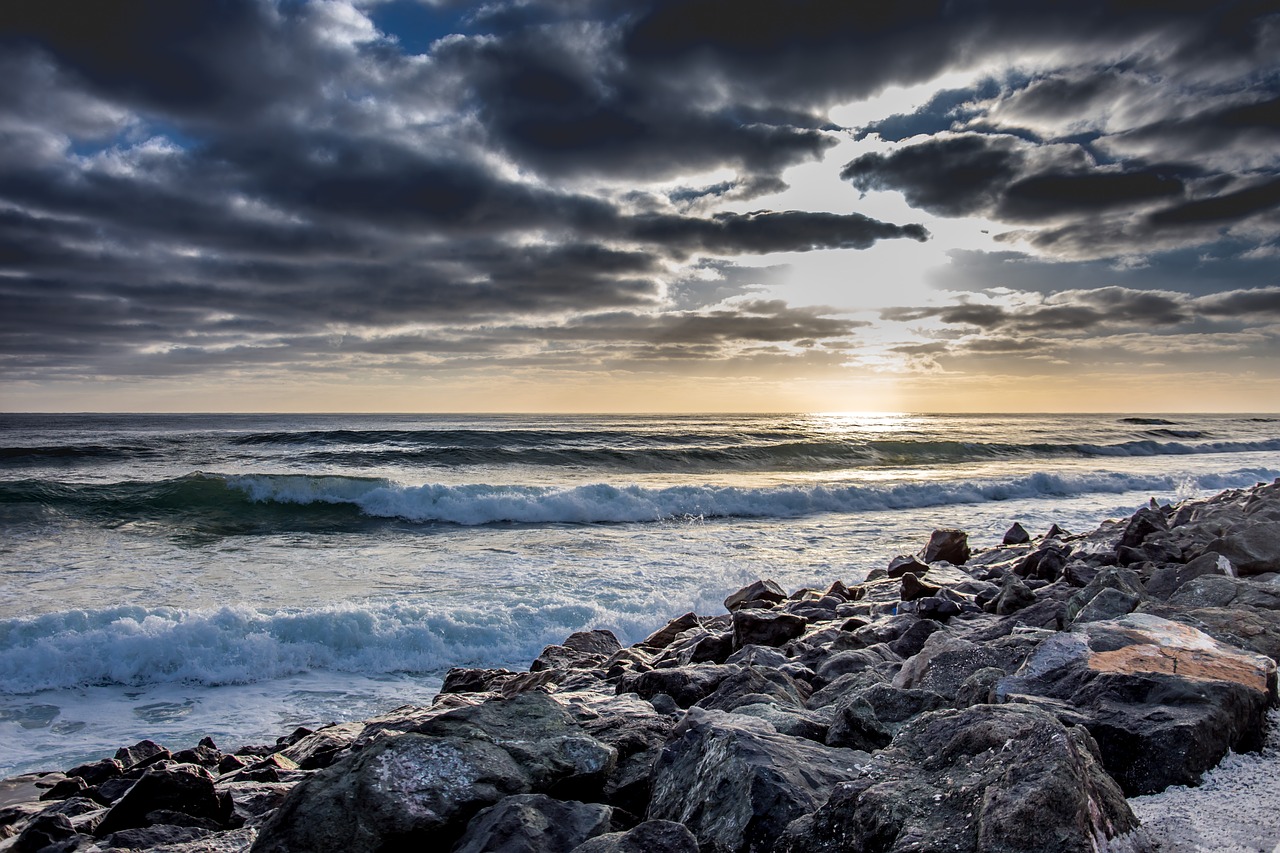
175	576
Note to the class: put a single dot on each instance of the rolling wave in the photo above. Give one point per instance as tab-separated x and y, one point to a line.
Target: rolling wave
234	504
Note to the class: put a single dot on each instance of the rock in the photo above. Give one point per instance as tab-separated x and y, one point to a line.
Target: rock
1253	550
69	787
945	662
979	688
322	747
159	835
987	778
868	719
1055	532
533	823
1112	577
1243	627
855	660
1142	524
751	685
1016	535
788	720
1221	591
42	831
595	642
252	800
662	637
463	680
128	756
736	783
949	545
912	640
1164	701
1014	596
421	788
764	628
652	836
913	587
1165	580
96	772
934	607
1108	604
1045	563
761	590
684	684
751	655
903	564
697	645
184	788
202	755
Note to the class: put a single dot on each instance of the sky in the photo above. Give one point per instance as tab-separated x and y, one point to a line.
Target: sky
639	205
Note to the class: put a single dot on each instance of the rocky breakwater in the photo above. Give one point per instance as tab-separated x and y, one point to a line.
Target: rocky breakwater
1005	700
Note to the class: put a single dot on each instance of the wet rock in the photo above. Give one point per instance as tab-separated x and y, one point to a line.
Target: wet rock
422	787
736	783
322	747
42	831
97	772
949	545
662	637
934	607
944	663
533	823
905	563
764	628
252	800
1014	596
1166	580
184	788
463	680
1016	535
986	778
1142	524
912	640
64	788
1253	550
651	836
868	719
685	684
761	590
1164	701
140	753
979	688
1045	563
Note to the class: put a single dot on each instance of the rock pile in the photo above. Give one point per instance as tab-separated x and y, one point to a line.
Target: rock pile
1008	699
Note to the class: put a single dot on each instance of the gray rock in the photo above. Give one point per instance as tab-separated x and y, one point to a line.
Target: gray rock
736	783
868	719
1112	577
987	778
97	772
685	684
1166	579
904	564
423	787
533	823
1014	596
1108	604
1164	701
1016	535
765	628
128	756
652	836
323	746
184	788
1252	550
1142	524
662	637
149	837
1222	591
854	660
753	684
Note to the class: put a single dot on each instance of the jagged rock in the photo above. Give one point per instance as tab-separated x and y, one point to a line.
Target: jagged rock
158	835
1016	535
64	788
944	663
753	684
1014	596
533	823
1221	591
979	688
854	660
764	628
934	607
868	719
96	772
987	778
422	787
684	684
1252	550
788	720
1107	604
202	755
736	783
752	655
1078	573
1166	580
1164	701
128	756
1045	563
42	831
761	590
652	836
697	645
905	563
662	637
252	800
1055	532
1141	524
320	748
185	788
912	640
464	680
949	545
1112	577
913	588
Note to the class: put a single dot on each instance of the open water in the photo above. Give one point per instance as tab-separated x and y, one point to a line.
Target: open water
172	576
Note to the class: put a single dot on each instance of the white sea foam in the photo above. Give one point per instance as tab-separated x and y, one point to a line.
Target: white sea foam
485	504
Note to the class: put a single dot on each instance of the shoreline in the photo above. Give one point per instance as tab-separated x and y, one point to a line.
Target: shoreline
864	685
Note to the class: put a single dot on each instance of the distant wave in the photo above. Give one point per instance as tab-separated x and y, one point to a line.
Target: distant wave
224	505
1151	421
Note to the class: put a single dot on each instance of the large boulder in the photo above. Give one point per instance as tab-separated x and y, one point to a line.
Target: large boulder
1163	700
1166	579
183	788
684	684
1252	550
868	719
765	628
421	788
533	823
736	783
987	778
762	590
1223	591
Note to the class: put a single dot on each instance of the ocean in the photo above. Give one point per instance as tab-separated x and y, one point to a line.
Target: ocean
175	576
